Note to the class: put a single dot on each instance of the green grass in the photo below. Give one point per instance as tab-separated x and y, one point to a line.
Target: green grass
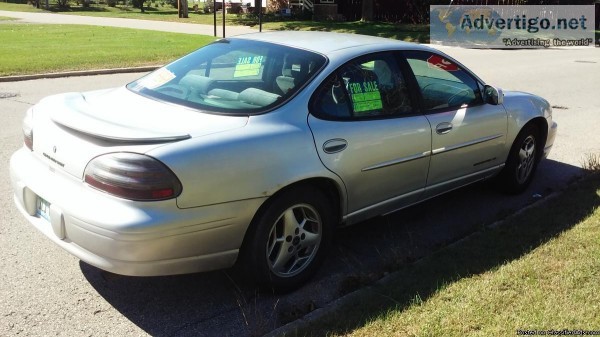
7	6
31	49
167	13
540	270
156	11
404	32
162	13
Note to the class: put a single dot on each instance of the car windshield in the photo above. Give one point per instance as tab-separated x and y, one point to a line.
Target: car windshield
232	76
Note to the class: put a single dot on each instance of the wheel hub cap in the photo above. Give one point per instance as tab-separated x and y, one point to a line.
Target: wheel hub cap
526	159
294	240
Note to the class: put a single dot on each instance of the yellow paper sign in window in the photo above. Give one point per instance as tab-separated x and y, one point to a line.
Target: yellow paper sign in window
157	78
248	66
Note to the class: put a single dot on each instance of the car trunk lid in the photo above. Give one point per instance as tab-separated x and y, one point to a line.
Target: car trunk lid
71	129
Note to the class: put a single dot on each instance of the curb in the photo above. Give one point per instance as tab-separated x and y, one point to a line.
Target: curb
78	73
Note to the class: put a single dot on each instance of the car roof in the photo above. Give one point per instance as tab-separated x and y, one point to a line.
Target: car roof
328	42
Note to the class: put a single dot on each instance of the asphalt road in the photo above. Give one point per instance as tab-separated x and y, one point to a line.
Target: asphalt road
45	291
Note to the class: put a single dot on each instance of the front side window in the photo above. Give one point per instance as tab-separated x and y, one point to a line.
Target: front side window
232	76
369	87
443	84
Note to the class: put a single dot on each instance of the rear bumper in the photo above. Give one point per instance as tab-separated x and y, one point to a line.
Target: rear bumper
128	237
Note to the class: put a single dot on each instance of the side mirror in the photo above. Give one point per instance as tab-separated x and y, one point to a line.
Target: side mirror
493	95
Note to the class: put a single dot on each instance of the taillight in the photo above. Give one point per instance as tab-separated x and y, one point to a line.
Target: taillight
132	176
28	129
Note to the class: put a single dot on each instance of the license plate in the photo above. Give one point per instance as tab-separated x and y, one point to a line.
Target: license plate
43	209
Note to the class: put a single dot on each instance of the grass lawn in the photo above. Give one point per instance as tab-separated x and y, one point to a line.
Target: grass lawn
162	13
7	6
406	32
31	49
538	271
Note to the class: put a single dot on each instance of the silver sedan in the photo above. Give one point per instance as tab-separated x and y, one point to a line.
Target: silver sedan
255	148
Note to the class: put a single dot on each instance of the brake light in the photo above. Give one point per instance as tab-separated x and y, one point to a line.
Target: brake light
132	176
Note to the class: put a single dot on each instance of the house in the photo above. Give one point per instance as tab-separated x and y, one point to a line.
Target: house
322	9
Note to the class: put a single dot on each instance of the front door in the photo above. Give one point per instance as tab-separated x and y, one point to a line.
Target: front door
468	135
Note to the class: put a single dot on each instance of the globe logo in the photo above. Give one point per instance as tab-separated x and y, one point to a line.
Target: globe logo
464	25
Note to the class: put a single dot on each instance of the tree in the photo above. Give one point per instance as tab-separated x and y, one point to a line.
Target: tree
183	9
138	4
367	10
277	5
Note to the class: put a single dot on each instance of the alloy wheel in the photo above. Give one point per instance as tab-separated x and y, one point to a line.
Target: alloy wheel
526	159
294	240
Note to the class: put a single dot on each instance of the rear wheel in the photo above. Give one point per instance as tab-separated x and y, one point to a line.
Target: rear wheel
522	160
289	238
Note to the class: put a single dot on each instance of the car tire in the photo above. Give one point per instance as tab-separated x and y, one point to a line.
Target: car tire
522	160
289	238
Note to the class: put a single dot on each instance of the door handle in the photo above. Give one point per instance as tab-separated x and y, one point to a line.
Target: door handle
335	145
443	128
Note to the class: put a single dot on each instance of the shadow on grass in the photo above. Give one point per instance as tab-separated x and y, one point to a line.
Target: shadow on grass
57	9
403	32
485	250
155	11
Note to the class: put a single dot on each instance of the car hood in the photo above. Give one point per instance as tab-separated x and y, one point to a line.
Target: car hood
123	116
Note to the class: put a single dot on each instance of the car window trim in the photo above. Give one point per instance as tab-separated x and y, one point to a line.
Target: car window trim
245	112
417	91
316	92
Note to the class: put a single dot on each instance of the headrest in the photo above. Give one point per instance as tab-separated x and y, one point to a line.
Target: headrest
258	97
294	66
197	83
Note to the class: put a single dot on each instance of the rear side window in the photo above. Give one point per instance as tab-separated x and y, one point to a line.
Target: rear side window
443	84
368	87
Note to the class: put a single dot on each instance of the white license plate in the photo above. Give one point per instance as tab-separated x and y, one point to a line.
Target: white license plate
43	209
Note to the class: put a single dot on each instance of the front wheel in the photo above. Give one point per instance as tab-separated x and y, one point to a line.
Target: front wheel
522	160
289	238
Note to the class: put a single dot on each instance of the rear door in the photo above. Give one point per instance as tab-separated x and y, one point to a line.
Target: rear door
367	131
468	136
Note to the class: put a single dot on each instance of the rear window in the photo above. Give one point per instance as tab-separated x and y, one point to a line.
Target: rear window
232	76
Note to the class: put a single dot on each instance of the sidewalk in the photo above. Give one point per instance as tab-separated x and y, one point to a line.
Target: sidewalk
164	26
